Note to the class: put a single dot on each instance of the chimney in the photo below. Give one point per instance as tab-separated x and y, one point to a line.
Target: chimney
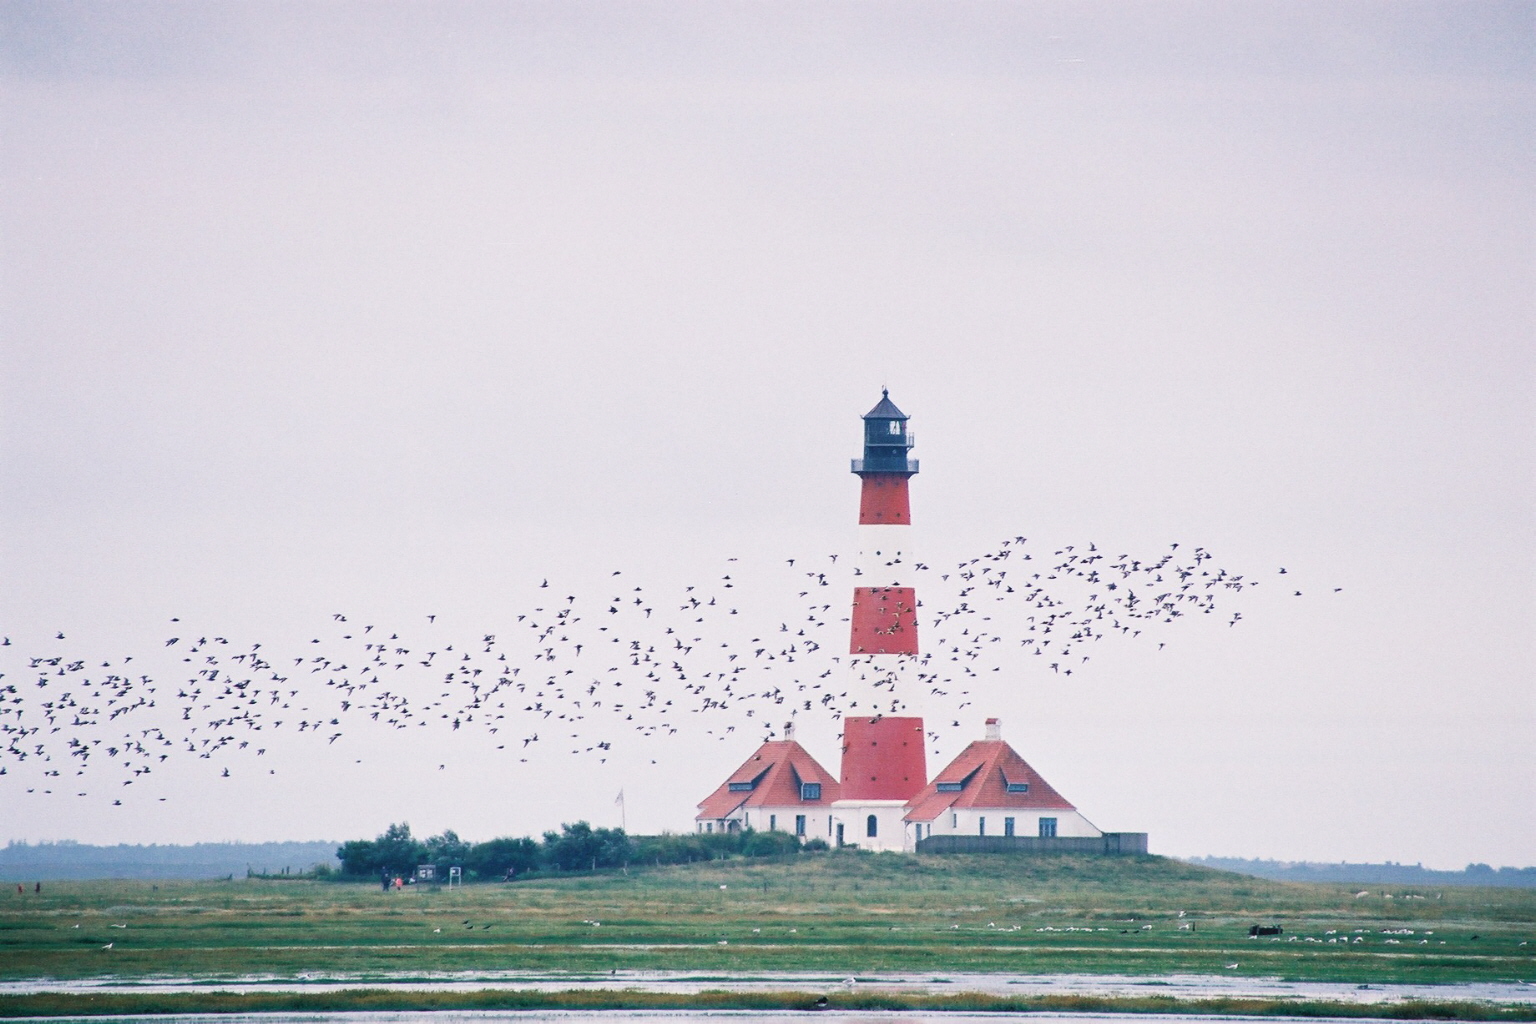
789	730
994	729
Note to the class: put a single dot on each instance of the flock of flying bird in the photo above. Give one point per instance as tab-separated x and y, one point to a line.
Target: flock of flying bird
575	674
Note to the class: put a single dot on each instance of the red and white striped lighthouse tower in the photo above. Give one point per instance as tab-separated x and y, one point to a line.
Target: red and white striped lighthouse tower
884	603
883	763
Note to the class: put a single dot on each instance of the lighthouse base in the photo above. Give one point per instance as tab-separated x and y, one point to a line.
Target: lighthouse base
878	825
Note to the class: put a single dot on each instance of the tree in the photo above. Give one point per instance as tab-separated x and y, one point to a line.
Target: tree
397	851
358	857
446	850
580	847
502	858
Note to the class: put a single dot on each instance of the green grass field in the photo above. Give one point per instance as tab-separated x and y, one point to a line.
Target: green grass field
846	912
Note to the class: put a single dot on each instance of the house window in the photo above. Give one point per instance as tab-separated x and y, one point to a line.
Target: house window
871	826
773	823
810	791
981	826
742	787
709	826
799	824
1047	827
1007	826
1018	787
954	821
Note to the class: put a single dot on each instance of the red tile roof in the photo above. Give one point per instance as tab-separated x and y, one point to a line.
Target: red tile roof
778	768
986	767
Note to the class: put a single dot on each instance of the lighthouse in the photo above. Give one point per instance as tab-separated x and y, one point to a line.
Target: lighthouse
988	799
883	765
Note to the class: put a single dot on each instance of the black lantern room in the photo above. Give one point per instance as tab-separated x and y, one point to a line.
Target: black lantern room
886	440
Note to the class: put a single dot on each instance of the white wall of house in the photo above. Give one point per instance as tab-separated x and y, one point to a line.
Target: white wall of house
894	833
782	819
818	821
993	821
891	831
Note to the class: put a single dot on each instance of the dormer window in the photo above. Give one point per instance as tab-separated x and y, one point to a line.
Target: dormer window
955	787
810	791
1015	787
748	785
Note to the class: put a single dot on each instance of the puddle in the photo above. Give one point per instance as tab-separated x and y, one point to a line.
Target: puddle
1181	986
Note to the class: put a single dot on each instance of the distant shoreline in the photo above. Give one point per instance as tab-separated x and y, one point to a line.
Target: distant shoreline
1370	874
68	861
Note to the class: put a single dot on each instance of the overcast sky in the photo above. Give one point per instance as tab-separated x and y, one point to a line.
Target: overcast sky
398	309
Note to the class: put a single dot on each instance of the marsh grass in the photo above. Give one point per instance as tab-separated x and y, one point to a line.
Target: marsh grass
845	912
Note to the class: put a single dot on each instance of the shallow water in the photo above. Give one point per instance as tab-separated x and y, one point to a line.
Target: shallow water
668	1016
1180	986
